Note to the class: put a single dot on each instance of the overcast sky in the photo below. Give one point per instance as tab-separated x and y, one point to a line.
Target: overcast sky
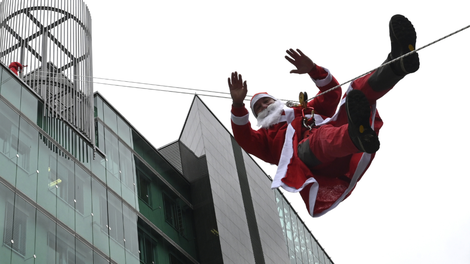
413	204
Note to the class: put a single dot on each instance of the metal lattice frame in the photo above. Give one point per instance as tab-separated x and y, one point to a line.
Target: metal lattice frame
53	38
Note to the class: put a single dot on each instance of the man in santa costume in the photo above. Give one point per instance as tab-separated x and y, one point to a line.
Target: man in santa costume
325	160
16	67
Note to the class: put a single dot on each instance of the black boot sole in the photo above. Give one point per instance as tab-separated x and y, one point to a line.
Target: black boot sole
358	109
403	40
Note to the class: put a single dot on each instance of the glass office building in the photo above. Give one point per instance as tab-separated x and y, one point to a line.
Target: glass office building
68	197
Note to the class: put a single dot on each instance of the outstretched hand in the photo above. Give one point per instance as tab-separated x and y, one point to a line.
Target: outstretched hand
303	63
238	89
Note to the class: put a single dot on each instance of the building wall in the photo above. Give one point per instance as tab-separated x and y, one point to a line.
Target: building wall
60	202
255	224
245	207
51	205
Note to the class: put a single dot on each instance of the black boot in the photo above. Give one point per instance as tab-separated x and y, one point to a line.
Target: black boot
364	138
403	41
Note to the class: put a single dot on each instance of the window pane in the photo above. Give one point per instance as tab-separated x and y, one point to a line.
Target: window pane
83	204
47	176
126	164
147	248
99	107
143	182
84	254
116	227
98	259
29	105
100	217
45	239
9	121
6	221
27	160
65	246
110	117
124	131
130	231
113	178
11	89
115	218
66	192
98	166
23	230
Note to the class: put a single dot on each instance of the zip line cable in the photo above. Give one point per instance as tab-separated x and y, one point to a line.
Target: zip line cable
170	91
226	95
392	61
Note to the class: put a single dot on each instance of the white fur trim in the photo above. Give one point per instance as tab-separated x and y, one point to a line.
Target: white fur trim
312	197
255	99
325	81
240	120
286	155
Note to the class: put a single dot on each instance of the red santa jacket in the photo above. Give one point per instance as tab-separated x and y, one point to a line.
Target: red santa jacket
320	191
15	67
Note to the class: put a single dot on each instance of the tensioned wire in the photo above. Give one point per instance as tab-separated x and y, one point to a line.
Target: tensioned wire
226	95
389	62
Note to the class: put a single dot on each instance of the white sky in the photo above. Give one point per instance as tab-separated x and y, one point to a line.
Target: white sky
412	206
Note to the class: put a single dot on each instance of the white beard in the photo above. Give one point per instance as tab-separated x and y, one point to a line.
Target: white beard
271	115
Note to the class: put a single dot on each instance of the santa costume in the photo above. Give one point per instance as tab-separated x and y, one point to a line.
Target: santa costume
325	162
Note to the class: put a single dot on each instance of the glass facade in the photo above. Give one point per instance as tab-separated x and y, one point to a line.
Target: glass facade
62	202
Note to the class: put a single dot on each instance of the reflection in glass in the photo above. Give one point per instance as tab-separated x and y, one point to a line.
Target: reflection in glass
9	121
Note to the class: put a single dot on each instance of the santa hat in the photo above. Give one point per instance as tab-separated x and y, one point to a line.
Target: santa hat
255	99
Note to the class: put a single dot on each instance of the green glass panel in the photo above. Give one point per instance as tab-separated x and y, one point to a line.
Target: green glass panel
45	239
11	89
113	179
9	121
47	175
100	217
131	258
24	231
66	191
65	246
84	254
99	139
98	259
115	218
28	147
116	227
83	217
110	118
130	231
124	131
98	164
85	153
6	221
128	177
29	105
99	107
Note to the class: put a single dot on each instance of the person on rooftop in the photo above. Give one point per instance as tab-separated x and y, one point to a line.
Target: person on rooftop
16	67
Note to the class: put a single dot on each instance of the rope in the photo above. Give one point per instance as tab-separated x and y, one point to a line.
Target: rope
226	95
392	61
